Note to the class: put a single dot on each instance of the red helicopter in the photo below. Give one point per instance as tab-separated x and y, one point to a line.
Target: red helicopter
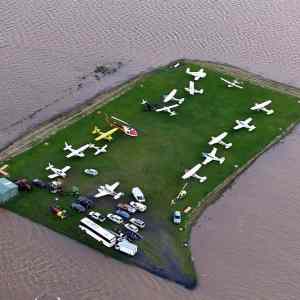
122	125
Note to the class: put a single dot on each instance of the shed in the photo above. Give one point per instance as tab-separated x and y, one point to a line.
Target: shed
8	190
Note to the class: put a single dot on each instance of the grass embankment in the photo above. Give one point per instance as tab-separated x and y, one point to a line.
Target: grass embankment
155	160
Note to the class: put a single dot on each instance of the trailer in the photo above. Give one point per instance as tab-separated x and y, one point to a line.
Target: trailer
126	247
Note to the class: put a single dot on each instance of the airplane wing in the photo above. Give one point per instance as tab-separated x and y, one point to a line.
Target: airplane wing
71	154
207	160
170	96
101	193
65	169
238	126
213	152
248	120
114	185
52	176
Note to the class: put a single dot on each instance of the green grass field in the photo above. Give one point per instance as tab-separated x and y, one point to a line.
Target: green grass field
155	160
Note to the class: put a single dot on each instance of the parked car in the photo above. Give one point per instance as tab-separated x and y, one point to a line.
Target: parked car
91	172
138	206
125	215
127	207
177	217
23	185
131	227
137	222
97	216
132	236
138	194
86	202
57	211
115	218
39	183
78	207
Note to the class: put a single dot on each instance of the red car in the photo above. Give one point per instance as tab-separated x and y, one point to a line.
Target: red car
60	213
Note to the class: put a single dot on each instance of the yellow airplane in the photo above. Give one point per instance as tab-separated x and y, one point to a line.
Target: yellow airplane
3	172
104	135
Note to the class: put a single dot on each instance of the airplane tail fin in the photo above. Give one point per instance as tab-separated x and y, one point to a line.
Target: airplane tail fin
67	146
188	71
202	179
251	128
270	112
50	166
96	130
221	161
229	145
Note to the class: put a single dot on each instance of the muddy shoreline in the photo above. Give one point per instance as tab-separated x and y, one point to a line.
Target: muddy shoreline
46	129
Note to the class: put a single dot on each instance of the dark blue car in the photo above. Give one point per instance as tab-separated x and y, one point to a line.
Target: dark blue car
122	213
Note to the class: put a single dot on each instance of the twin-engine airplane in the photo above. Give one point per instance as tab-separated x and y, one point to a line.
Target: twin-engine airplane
234	83
75	152
219	140
171	97
196	74
191	89
99	150
159	108
104	135
211	156
108	190
57	172
244	124
3	172
263	107
193	173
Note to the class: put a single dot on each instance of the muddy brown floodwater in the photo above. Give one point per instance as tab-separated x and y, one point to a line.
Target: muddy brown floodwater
247	245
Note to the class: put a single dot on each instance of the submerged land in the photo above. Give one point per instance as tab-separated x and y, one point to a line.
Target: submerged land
155	160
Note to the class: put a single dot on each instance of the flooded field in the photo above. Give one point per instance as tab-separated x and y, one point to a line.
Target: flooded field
247	245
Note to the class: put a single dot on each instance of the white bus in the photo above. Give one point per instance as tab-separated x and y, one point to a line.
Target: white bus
97	232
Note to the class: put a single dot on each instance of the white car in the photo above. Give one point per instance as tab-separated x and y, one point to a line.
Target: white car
138	206
115	218
138	194
97	216
91	172
131	227
137	222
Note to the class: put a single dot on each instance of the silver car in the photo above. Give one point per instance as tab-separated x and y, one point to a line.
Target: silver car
115	218
137	222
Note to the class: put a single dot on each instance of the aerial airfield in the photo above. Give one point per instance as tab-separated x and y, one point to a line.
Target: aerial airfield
130	178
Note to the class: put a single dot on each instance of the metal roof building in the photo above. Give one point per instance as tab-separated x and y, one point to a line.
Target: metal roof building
7	190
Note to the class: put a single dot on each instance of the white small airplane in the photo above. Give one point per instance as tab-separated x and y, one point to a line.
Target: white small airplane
234	83
171	96
191	89
219	140
244	124
75	152
168	109
263	107
212	156
57	172
193	173
197	74
108	190
99	150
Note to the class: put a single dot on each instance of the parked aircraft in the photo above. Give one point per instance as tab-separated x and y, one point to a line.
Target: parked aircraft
75	152
234	83
219	140
168	109
108	190
3	172
191	89
171	97
212	156
57	172
104	135
99	150
244	124
263	107
122	125
193	173
197	74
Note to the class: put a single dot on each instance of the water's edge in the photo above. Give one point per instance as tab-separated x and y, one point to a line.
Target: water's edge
50	127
